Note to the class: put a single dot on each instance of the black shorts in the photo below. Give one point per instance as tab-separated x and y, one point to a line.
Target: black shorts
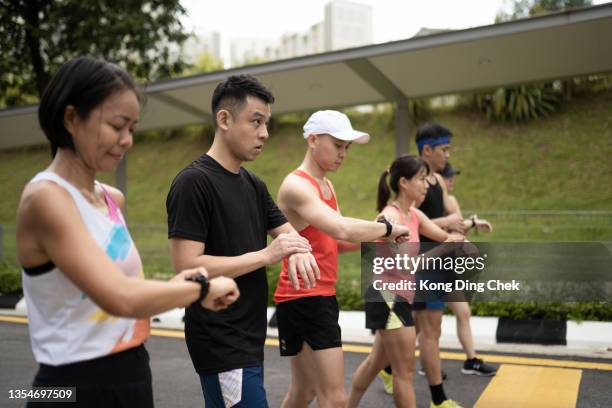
313	320
119	380
387	313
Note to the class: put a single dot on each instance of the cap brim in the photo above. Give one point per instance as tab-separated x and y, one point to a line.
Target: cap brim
451	173
352	136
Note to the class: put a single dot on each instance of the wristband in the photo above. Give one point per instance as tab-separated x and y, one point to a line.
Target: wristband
204	285
383	220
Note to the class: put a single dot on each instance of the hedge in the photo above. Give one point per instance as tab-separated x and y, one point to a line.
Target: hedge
349	298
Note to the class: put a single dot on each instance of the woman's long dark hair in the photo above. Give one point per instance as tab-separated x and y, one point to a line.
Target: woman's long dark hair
406	166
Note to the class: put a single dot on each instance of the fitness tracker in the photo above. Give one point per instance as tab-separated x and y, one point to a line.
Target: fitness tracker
204	284
383	220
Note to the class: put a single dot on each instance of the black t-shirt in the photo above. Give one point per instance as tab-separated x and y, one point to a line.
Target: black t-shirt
231	214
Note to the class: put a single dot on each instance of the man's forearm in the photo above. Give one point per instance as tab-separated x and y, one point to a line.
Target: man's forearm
441	222
230	266
356	230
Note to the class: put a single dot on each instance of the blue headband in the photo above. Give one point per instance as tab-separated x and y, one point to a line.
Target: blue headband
433	141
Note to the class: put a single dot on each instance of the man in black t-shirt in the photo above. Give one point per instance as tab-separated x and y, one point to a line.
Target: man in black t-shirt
219	216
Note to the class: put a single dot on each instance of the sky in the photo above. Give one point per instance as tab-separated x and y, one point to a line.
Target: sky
392	19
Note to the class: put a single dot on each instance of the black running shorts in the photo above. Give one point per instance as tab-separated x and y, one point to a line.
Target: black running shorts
388	312
313	320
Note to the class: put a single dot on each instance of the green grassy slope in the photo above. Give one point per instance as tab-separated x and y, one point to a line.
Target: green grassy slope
557	163
561	163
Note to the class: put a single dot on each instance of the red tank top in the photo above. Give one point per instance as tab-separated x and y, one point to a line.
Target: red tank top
394	276
325	251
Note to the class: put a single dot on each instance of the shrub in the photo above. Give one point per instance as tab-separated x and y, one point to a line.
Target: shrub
518	103
10	279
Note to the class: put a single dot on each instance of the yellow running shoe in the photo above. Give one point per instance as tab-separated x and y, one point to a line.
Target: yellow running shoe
387	380
446	404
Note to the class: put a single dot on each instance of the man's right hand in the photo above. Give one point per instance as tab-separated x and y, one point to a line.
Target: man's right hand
455	237
306	266
482	225
222	292
455	223
285	245
399	233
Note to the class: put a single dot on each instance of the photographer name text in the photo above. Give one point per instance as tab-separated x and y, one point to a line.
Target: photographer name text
427	285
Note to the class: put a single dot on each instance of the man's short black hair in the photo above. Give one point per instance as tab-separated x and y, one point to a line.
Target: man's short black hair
232	93
431	131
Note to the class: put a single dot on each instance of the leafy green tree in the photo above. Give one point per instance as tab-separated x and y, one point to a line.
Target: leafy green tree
524	102
206	62
530	8
37	36
518	103
255	60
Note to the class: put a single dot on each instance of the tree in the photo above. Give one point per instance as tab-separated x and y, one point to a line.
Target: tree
254	60
37	36
518	103
206	62
525	102
530	8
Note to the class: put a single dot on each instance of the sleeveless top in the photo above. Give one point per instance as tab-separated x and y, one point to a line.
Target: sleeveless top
412	247
66	326
433	204
325	251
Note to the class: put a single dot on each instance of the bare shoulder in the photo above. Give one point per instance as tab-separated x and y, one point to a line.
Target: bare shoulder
296	189
420	214
441	182
390	213
439	178
43	201
116	195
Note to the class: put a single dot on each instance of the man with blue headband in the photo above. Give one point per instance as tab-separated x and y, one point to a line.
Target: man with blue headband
433	142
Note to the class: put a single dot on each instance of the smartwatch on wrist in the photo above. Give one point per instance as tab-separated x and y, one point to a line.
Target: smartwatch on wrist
204	284
385	221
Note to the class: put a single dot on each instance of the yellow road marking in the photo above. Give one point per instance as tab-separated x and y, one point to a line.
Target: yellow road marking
526	387
445	355
14	319
168	333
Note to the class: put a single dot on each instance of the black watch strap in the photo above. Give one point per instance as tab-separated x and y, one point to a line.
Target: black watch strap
385	221
204	284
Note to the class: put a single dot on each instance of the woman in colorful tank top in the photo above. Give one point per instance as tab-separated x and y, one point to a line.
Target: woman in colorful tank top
389	312
88	304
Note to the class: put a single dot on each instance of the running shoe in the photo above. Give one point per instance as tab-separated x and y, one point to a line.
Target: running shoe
446	404
476	366
387	380
421	372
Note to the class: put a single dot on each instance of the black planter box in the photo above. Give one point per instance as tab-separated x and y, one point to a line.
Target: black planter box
548	332
9	300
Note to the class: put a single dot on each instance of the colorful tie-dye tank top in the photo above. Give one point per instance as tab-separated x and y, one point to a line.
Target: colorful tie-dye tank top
66	326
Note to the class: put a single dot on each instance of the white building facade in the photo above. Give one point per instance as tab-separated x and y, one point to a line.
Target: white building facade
346	25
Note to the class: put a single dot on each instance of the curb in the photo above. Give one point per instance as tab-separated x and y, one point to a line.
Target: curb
584	339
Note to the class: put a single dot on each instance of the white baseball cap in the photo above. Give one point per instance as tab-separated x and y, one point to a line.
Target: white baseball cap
336	124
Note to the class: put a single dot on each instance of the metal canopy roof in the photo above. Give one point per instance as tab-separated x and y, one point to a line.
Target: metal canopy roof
553	46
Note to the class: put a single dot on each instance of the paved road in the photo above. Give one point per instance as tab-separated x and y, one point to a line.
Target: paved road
532	382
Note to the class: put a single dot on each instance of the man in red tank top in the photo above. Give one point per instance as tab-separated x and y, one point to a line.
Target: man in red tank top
308	317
